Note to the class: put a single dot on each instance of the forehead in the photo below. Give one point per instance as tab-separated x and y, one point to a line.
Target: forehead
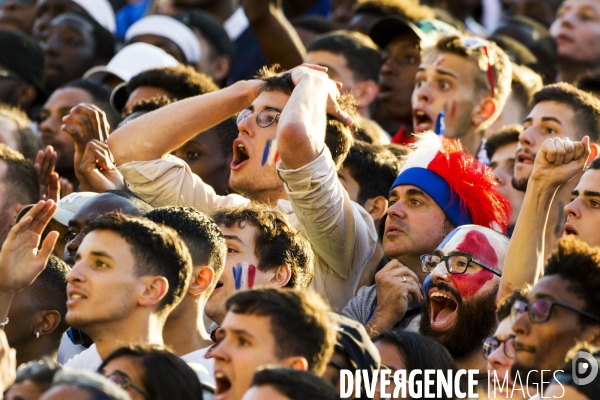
463	68
272	99
580	3
242	230
557	288
103	204
590	180
259	326
403	42
74	22
560	111
68	97
327	59
482	243
107	242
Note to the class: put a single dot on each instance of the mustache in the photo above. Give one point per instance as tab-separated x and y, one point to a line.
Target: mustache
446	288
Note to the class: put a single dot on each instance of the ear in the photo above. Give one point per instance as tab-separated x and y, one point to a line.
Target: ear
296	362
281	276
221	68
27	95
156	287
365	93
13	211
202	278
47	322
485	111
376	207
594	151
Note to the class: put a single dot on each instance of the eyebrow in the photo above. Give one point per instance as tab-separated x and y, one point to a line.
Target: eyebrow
101	254
440	71
240	332
233	237
416	192
586	193
551	119
252	108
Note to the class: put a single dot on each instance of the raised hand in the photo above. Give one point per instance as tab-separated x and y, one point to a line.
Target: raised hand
560	159
44	164
20	260
8	363
97	169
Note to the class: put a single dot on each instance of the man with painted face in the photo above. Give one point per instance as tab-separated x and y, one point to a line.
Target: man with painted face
438	189
461	292
285	117
466	78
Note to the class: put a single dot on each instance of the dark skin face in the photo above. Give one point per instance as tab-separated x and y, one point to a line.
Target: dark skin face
11	86
161	42
16	17
94	208
206	159
47	10
69	46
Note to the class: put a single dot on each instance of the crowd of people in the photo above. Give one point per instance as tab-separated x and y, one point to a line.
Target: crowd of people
245	199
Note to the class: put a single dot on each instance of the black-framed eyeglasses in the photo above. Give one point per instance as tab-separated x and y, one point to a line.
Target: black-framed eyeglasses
492	343
541	309
264	119
123	381
455	263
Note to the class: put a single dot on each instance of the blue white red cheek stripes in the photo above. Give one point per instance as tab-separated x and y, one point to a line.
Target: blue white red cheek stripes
243	275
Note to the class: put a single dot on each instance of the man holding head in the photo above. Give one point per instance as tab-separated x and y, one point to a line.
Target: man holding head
285	117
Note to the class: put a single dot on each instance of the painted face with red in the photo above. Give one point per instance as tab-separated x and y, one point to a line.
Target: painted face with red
462	287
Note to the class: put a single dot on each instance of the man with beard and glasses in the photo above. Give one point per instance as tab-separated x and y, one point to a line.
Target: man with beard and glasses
561	310
559	111
461	292
439	189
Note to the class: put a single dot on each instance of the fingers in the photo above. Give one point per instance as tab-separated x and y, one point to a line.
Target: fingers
41	219
48	246
559	151
44	164
66	187
315	67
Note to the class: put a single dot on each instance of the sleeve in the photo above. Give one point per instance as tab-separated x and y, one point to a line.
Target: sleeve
169	181
359	307
341	232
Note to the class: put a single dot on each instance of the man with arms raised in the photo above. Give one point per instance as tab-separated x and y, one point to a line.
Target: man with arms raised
287	328
281	117
466	78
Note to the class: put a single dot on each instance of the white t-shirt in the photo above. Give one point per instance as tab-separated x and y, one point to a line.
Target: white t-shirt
88	359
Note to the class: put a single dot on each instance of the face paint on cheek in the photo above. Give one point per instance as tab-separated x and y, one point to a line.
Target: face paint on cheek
453	110
426	283
243	275
270	153
469	284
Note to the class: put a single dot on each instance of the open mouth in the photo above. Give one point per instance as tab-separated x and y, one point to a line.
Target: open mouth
525	159
443	310
223	385
421	120
240	155
569	230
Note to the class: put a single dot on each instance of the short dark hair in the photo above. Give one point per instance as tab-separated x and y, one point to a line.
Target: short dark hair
409	9
96	385
594	164
151	104
585	106
373	167
227	131
100	97
506	135
483	56
41	372
418	351
506	304
338	137
51	292
22	183
276	243
164	375
525	84
579	264
589	83
299	322
202	236
361	54
141	206
180	82
295	384
157	249
28	143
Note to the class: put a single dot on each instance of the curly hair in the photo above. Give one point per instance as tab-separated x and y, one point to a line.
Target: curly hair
180	82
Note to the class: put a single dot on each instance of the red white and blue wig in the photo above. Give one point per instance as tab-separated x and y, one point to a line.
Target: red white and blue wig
464	188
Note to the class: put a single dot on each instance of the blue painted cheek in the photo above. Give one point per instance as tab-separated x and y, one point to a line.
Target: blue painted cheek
428	281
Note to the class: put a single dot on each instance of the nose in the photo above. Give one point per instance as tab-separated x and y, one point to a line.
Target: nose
572	209
75	274
498	359
522	324
219	351
47	127
72	246
387	68
246	126
422	94
440	273
50	45
396	210
526	138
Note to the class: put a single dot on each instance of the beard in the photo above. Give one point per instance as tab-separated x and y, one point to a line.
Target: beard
475	321
521	184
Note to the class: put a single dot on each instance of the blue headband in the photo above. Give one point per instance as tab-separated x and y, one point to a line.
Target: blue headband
439	190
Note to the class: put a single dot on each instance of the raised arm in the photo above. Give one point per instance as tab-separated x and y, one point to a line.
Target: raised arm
155	134
301	128
558	161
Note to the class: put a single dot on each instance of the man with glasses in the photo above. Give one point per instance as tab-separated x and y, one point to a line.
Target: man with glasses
461	290
562	309
292	138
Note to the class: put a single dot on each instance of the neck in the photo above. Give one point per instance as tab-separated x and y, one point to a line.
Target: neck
138	329
221	9
568	71
35	349
472	141
414	264
269	196
184	332
473	360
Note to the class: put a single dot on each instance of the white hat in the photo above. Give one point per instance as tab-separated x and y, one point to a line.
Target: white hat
170	28
131	60
67	207
101	11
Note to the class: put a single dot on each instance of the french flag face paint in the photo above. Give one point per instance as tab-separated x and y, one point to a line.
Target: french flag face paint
243	275
484	245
